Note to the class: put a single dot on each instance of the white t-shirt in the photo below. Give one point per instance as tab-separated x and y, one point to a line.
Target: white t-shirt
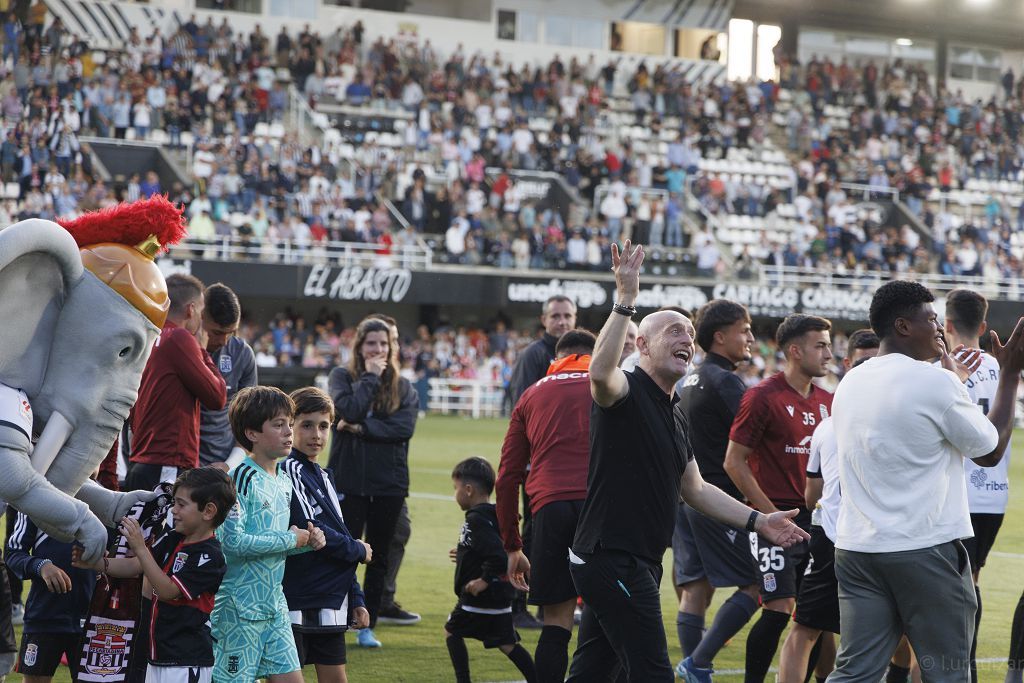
988	488
823	462
903	428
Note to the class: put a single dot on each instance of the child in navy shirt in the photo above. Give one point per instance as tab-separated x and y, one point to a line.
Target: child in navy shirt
323	596
58	601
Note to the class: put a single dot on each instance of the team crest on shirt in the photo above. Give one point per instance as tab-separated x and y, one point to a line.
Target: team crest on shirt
789	409
769	583
824	411
233	664
31	653
179	561
225	363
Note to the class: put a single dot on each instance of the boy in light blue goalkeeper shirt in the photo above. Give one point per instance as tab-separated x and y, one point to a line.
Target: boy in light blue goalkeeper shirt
250	624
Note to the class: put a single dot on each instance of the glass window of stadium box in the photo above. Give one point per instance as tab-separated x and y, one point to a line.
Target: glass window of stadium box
637	37
700	43
249	6
293	9
854	47
975	64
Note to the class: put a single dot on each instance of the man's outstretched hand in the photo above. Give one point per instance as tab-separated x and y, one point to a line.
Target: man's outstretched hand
779	529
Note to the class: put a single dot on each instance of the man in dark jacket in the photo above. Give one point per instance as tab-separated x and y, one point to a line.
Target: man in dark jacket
559	317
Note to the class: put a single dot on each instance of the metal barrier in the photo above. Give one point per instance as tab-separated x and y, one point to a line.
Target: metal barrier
413	257
472	397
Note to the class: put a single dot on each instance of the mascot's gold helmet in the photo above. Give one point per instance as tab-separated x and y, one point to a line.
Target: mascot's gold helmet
119	245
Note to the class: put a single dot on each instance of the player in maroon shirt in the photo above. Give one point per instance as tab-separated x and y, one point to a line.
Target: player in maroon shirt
767	456
179	375
548	447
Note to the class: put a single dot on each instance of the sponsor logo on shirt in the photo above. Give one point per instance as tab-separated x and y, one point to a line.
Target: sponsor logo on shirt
979	479
25	409
790	409
179	561
731	533
235	513
266	505
203	559
804	448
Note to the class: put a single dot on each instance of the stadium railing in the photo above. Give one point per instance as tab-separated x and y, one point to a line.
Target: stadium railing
413	257
868	281
869	192
472	397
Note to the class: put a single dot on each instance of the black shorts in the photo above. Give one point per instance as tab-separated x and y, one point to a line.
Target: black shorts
554	527
494	630
817	605
781	569
40	653
320	648
702	547
986	527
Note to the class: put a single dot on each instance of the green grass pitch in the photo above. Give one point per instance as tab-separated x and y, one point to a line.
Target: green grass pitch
417	653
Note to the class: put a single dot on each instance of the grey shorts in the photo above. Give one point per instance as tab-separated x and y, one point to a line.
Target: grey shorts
702	547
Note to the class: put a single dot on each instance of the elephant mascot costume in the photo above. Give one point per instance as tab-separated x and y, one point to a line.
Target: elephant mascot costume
82	303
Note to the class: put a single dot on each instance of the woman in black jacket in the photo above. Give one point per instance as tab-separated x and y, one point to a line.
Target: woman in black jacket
377	411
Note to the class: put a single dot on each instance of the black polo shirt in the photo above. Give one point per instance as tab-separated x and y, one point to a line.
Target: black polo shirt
638	451
709	399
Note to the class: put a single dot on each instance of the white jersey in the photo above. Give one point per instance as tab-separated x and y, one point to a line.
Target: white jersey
988	488
823	463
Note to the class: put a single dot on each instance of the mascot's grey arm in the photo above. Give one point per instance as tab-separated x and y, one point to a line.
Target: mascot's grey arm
57	514
111	506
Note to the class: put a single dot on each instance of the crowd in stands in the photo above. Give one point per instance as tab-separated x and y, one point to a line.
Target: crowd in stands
449	351
640	143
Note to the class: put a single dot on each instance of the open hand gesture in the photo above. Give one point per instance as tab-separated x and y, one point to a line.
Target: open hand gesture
779	529
132	533
963	361
1011	356
626	266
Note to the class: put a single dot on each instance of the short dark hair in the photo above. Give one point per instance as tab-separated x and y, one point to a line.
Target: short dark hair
578	341
797	325
222	305
475	471
208	485
685	312
558	298
966	309
252	406
896	299
182	289
716	315
861	339
312	400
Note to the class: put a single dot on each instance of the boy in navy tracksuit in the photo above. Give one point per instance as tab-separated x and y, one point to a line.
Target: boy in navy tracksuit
57	603
484	609
323	595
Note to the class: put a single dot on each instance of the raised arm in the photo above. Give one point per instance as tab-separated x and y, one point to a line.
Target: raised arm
607	382
1001	413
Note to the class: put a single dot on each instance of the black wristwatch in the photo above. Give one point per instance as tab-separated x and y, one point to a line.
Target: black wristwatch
628	311
752	520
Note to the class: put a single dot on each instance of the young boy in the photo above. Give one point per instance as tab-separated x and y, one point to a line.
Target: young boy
57	602
484	609
322	592
250	618
183	571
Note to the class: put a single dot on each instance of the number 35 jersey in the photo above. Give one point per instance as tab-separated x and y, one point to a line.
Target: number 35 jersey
777	423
